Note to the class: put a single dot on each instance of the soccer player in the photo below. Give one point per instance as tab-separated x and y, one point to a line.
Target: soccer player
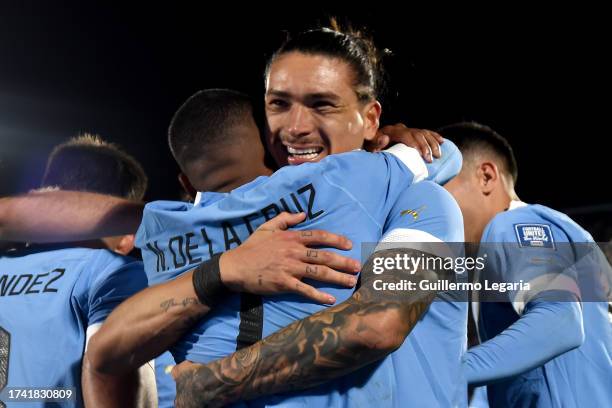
82	213
548	345
352	113
233	155
55	297
176	236
315	110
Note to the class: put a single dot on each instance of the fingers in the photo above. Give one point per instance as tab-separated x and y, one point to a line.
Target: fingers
423	147
327	258
438	137
310	292
323	273
283	221
434	140
432	137
322	238
425	141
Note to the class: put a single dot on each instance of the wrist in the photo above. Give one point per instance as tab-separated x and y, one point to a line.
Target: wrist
228	272
207	282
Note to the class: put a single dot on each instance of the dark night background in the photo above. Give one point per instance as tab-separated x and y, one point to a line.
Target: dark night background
122	71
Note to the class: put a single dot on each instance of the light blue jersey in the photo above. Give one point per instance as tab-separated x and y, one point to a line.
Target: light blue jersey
428	365
549	344
426	370
49	296
353	194
174	236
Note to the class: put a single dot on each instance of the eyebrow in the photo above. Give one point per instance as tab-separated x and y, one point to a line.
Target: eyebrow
317	95
281	94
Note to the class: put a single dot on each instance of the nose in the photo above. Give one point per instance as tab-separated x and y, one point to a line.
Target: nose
300	121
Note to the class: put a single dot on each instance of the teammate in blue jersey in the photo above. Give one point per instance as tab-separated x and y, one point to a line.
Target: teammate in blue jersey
309	106
320	348
68	201
449	357
54	297
174	236
547	344
326	345
367	111
358	117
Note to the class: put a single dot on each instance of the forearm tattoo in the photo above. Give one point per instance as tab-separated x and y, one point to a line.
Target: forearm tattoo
324	346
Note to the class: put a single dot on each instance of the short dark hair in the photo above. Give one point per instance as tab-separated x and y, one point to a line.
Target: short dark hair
473	136
207	119
352	46
88	163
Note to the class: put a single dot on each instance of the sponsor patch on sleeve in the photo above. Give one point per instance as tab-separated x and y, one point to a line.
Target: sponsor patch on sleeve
534	235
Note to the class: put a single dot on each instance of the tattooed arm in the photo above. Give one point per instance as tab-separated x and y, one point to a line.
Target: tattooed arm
144	326
329	344
148	323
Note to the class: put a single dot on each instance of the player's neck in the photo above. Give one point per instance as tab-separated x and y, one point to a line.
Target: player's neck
222	179
239	180
229	185
474	230
498	203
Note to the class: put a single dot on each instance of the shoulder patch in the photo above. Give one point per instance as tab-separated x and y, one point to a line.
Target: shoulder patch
534	235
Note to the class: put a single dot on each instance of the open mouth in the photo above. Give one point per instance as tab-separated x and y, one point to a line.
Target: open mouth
301	155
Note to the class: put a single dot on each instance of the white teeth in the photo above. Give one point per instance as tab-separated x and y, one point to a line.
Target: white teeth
291	150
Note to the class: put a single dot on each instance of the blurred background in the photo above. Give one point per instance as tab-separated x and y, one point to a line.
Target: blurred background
121	71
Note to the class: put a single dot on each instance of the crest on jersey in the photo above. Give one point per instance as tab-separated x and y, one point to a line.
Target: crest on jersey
534	235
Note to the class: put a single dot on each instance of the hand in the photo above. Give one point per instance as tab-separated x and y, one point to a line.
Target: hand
274	260
426	141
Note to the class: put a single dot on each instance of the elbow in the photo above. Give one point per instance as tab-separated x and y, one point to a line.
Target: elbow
394	332
98	357
380	333
573	326
95	357
575	338
569	328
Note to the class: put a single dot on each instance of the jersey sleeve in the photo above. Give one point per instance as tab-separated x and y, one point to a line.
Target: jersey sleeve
425	212
158	217
112	283
527	344
526	250
443	169
374	180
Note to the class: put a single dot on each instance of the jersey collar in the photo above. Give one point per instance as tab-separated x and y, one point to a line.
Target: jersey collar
514	204
209	197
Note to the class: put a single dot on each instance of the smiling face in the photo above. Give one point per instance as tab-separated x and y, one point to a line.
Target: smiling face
312	109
